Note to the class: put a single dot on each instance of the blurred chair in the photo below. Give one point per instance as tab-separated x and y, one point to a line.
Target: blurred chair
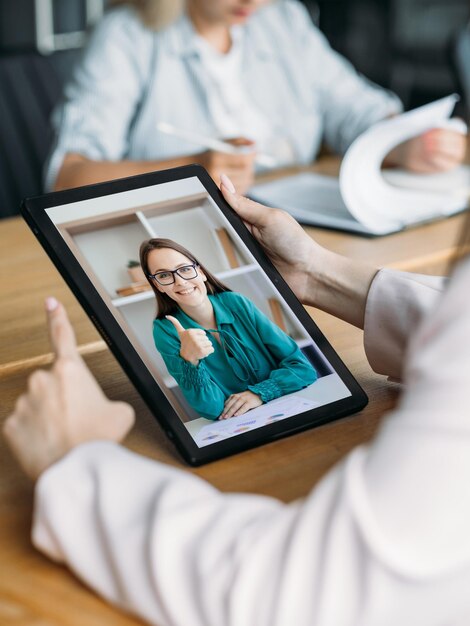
47	26
40	41
460	59
30	88
420	35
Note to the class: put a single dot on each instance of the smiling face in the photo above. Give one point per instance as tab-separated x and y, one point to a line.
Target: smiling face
186	293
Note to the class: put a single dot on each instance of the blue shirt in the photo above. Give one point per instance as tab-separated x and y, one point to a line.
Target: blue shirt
254	354
132	77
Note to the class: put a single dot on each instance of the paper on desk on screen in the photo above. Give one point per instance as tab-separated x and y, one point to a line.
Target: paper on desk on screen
273	411
366	199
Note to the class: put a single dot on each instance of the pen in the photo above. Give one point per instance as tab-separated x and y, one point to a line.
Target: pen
213	144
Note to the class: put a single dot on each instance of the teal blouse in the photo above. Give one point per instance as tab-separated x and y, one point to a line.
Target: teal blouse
254	354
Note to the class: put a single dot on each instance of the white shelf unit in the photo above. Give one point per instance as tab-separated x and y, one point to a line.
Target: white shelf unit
259	290
109	247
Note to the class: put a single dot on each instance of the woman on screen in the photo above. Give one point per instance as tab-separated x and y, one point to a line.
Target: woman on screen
225	354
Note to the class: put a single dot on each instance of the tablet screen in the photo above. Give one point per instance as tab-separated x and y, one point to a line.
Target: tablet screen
212	328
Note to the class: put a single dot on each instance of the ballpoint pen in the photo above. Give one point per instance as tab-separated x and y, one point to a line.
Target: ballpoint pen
213	144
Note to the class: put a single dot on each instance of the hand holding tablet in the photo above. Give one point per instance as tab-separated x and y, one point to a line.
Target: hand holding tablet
245	341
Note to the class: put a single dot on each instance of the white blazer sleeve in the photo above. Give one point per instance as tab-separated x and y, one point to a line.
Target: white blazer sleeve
350	103
396	304
382	540
100	101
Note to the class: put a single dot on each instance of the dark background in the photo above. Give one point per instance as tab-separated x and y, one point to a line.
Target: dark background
400	44
404	45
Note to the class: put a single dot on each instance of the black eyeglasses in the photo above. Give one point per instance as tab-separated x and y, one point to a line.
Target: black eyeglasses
167	277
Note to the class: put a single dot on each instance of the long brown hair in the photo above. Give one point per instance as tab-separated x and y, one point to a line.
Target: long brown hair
165	304
156	14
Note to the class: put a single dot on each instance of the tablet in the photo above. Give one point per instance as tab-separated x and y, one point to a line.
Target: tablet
239	362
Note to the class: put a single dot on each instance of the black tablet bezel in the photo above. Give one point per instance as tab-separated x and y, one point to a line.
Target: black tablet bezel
33	210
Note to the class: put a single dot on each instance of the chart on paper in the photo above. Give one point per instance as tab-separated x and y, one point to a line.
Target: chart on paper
269	413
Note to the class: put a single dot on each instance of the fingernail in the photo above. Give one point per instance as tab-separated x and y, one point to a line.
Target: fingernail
51	304
227	183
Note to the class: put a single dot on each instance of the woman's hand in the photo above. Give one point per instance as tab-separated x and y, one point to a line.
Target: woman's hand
63	407
240	167
291	250
318	277
239	403
437	150
195	344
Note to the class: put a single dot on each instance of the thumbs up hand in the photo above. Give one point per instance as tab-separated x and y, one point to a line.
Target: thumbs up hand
195	344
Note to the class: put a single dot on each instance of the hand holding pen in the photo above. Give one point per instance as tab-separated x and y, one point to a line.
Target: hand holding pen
236	157
241	164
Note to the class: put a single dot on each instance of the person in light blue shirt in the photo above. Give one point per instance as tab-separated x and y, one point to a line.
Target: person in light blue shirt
224	353
256	72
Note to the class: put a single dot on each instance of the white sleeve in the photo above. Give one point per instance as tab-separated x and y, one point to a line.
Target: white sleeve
100	101
383	539
155	540
349	102
396	304
419	465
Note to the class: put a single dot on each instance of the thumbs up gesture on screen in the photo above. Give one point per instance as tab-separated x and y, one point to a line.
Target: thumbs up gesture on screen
195	344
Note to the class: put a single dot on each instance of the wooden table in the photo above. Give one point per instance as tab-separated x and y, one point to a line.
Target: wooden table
36	592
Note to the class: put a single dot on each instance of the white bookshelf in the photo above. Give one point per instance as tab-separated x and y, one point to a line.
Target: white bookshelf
135	297
108	249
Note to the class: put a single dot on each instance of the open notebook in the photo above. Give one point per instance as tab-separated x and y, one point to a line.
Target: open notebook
370	201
